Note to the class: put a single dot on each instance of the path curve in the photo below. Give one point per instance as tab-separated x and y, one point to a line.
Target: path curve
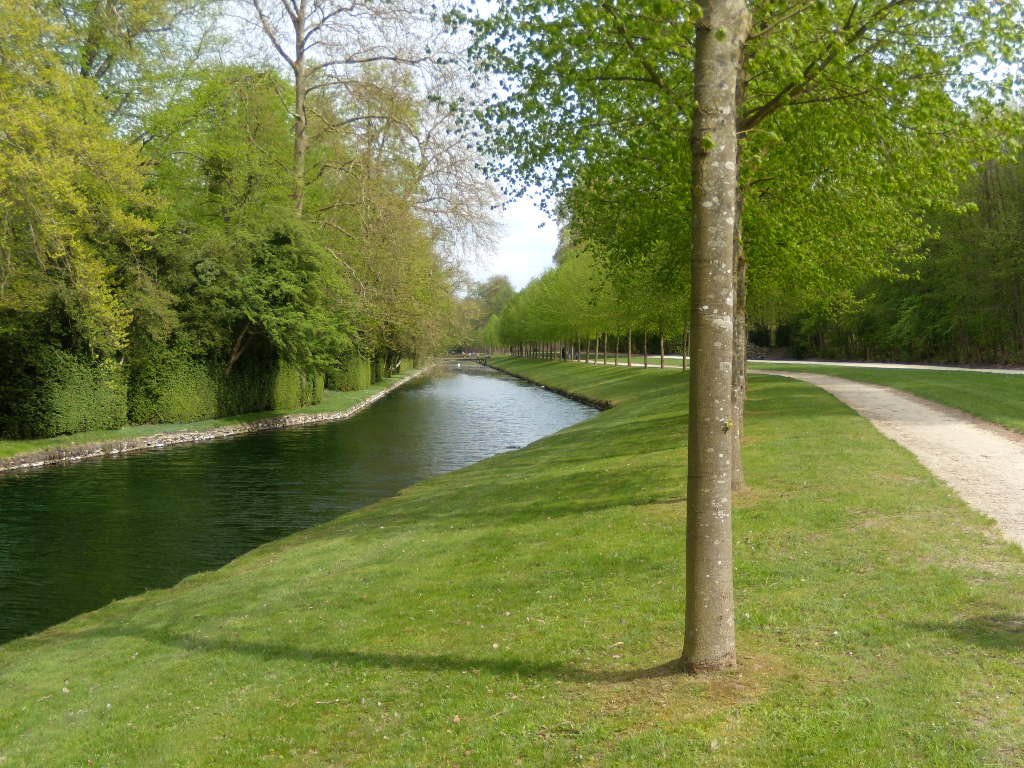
982	462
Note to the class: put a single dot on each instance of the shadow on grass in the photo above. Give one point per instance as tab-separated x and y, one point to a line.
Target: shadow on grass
505	666
1001	631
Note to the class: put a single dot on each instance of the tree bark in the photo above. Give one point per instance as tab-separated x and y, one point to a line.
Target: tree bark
661	345
710	632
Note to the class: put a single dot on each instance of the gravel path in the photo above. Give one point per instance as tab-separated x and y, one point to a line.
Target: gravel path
980	461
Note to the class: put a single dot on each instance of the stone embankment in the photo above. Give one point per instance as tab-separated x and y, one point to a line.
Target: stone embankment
116	447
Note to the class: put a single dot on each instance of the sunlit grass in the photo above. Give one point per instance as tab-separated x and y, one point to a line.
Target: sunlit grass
519	612
995	397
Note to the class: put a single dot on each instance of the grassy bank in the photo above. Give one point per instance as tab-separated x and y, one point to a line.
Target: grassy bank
332	402
518	612
995	397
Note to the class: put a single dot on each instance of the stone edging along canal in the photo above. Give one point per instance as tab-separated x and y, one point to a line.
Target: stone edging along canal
161	440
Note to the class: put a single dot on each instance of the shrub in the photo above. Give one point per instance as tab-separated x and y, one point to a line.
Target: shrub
169	385
293	387
351	372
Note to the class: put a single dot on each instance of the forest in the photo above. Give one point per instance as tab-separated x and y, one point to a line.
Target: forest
213	208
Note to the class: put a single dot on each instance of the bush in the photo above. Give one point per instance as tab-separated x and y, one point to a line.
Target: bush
294	388
83	395
48	391
170	385
351	373
261	381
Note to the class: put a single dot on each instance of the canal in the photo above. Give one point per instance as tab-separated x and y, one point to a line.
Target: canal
74	537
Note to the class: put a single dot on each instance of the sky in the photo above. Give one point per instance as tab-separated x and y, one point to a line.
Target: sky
526	241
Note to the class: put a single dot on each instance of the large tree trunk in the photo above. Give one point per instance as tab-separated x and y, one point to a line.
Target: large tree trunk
710	634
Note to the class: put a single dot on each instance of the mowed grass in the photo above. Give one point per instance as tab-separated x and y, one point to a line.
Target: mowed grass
520	612
995	397
332	402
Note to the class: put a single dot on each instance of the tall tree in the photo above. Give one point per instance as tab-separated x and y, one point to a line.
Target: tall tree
710	641
326	44
74	226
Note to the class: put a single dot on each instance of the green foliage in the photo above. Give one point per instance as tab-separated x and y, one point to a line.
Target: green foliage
351	372
855	119
167	384
74	226
48	391
82	395
293	387
961	300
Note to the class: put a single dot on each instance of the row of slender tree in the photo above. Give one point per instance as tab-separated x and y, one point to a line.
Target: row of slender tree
785	152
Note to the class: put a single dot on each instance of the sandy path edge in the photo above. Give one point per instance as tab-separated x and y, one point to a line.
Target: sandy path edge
982	462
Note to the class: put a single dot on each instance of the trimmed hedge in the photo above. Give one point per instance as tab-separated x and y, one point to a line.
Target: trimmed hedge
263	382
294	388
170	387
54	392
352	372
45	391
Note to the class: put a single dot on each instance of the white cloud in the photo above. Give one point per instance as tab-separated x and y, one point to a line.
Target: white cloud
525	246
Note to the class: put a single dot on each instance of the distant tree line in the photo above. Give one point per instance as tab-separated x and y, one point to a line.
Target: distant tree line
961	300
188	231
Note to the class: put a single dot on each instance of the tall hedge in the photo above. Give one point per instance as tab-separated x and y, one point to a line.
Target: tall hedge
294	388
261	381
169	385
54	392
350	373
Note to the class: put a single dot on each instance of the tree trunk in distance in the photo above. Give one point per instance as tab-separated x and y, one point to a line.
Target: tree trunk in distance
606	349
301	87
661	345
645	347
629	348
710	632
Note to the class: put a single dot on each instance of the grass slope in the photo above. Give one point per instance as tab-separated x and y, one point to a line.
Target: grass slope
332	402
995	397
517	612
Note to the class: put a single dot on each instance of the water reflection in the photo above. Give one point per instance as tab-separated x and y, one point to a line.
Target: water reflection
75	537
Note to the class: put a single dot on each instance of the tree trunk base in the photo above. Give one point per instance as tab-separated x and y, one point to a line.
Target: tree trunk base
705	666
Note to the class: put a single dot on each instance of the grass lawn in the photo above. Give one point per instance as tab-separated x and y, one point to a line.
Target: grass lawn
995	397
332	402
518	612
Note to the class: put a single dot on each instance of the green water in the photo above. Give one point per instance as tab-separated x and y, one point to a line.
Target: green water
75	537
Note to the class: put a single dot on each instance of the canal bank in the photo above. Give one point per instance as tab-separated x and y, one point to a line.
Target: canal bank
521	611
39	453
78	535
